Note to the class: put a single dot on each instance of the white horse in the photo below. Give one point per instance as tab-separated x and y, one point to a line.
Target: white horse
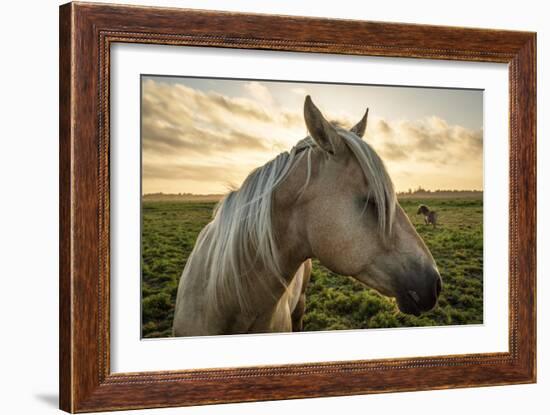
329	198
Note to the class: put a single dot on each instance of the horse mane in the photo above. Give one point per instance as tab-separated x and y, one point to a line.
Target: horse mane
240	235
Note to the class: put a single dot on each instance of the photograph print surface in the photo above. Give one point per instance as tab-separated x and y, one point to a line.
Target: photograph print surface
279	206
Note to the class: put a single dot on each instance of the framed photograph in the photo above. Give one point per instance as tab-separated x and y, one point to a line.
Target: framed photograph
258	207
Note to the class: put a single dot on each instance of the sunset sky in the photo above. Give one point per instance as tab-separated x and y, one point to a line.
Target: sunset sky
204	136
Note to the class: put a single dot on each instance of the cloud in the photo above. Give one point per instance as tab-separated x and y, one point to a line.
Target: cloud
299	91
197	172
260	93
429	140
195	141
182	127
177	119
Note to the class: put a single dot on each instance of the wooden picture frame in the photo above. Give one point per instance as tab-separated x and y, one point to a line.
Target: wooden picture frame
86	33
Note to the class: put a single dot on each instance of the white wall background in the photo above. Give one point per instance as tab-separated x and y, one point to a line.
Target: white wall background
29	207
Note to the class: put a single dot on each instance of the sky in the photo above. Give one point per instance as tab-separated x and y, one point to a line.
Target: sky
204	135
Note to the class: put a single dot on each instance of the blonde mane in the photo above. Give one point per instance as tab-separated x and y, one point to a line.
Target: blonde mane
240	235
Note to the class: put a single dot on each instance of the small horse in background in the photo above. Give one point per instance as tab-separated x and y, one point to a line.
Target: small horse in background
331	198
430	216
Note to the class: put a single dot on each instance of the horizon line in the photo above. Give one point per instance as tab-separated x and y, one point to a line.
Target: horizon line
398	192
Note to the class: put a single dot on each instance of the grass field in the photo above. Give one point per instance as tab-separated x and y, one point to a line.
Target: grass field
170	228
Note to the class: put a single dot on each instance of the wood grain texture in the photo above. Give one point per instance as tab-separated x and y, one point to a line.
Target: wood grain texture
86	33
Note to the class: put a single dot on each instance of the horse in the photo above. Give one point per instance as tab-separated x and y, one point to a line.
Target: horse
430	216
330	197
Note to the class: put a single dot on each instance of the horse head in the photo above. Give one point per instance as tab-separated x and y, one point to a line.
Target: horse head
350	219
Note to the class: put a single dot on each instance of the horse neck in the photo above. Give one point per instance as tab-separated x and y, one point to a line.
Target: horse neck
267	287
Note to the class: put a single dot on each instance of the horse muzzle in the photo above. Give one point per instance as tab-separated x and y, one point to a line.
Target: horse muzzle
420	294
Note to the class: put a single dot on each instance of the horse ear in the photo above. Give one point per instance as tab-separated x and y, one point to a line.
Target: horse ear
361	126
321	130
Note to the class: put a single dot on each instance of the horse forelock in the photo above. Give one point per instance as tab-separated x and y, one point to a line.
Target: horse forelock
380	185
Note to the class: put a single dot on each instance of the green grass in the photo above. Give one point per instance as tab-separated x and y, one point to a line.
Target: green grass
333	302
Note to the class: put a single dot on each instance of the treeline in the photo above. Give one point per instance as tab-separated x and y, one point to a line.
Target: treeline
426	193
186	197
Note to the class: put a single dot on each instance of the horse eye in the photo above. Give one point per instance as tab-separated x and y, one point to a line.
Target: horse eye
366	202
372	206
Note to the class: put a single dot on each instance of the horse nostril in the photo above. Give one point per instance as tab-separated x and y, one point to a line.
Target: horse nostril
414	295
